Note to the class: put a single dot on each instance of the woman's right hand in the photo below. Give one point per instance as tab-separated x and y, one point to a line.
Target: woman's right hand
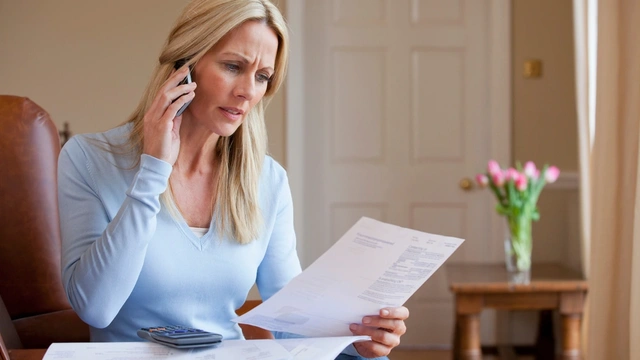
161	126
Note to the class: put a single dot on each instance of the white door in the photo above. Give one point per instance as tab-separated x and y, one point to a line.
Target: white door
397	111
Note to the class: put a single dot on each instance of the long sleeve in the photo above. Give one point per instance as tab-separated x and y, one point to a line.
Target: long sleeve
280	263
102	257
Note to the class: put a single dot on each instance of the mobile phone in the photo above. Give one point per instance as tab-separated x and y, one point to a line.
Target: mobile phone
187	80
180	337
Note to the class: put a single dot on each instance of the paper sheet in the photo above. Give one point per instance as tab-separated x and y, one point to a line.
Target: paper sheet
326	348
228	349
285	349
374	265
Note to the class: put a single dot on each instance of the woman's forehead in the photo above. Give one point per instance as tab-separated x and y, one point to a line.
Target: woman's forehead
253	40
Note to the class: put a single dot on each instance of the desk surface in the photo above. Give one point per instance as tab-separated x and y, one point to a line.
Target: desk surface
488	278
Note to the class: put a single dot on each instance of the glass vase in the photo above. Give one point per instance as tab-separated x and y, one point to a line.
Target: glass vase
517	249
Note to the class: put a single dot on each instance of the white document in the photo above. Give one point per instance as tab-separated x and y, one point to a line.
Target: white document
228	349
285	349
324	348
374	265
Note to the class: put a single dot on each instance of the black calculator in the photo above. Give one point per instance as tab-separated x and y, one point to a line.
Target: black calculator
180	337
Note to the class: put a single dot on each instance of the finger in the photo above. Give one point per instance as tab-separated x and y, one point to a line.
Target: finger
378	335
401	313
395	326
164	98
370	349
172	110
180	90
168	92
177	76
177	122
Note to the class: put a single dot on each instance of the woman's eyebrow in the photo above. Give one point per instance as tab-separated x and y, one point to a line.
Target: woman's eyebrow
245	60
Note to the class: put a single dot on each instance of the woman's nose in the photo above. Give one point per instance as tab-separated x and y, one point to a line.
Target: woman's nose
246	87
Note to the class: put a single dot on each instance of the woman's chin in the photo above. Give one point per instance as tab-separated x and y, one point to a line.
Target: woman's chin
227	131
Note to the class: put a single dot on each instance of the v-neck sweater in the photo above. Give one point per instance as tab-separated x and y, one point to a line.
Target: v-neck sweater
128	263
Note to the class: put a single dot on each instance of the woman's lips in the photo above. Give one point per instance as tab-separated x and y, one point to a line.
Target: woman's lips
233	114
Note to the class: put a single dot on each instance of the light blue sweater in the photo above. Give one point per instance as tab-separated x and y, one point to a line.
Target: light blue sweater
127	264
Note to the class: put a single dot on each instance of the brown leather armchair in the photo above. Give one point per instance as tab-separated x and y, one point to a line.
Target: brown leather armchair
30	279
251	332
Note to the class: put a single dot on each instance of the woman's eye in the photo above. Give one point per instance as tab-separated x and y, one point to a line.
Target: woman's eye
232	67
263	78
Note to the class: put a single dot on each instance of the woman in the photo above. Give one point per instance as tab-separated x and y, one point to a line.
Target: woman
171	219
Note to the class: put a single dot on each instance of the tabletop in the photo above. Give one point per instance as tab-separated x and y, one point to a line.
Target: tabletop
487	278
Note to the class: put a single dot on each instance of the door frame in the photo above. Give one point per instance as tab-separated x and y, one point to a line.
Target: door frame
499	110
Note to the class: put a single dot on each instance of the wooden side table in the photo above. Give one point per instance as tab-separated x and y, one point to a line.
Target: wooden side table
478	286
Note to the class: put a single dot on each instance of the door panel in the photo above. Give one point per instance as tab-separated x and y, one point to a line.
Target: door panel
397	111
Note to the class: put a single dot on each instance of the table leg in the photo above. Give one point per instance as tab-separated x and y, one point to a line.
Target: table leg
456	340
571	336
545	340
469	336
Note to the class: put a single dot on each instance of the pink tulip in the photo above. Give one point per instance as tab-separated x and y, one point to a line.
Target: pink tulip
493	167
512	174
552	174
521	183
536	174
498	178
530	169
482	180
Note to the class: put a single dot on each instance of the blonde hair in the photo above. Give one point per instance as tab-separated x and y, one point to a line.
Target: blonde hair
200	26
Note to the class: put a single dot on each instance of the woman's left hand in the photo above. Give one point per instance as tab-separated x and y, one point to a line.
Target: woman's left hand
385	330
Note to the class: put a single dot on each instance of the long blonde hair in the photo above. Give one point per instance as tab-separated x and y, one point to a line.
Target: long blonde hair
200	26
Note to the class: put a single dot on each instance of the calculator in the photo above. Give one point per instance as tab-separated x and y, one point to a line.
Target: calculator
180	337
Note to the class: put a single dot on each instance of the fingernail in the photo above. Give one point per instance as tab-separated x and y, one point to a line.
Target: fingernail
353	327
366	320
385	312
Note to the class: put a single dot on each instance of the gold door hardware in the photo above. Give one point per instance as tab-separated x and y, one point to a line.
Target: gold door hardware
466	184
532	69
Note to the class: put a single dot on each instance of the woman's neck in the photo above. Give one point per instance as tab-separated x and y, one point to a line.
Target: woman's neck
197	150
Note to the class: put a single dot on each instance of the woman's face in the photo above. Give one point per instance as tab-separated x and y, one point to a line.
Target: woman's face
232	77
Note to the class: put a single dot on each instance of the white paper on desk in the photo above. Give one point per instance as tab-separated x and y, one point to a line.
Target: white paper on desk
323	348
374	265
228	349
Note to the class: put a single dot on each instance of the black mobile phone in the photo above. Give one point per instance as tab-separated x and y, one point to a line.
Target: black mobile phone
180	336
187	80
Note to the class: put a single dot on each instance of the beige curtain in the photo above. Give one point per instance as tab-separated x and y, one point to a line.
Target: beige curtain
613	265
585	46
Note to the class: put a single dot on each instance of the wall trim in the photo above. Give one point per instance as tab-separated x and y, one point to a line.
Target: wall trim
500	111
294	117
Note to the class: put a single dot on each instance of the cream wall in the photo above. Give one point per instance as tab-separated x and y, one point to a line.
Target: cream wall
87	62
544	118
544	111
545	131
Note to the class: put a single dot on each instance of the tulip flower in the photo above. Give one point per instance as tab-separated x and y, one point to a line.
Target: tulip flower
552	174
482	180
493	167
536	174
530	169
521	183
498	178
512	174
